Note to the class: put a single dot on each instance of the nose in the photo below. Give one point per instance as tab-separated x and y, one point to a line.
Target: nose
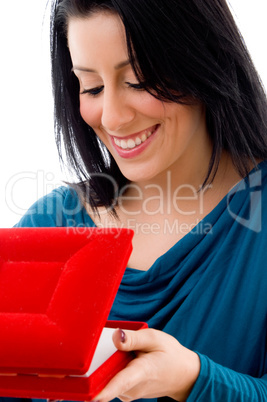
117	111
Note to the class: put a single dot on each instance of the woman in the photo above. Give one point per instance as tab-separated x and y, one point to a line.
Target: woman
163	118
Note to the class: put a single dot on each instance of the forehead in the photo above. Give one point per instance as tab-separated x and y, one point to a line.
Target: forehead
101	34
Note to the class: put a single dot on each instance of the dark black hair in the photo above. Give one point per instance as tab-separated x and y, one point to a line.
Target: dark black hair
179	50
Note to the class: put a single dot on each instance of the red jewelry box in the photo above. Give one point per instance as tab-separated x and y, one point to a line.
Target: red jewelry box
57	286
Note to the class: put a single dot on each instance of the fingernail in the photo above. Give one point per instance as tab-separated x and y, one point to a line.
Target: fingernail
122	336
54	400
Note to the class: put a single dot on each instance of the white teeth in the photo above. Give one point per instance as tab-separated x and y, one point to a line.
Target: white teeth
144	137
123	144
132	143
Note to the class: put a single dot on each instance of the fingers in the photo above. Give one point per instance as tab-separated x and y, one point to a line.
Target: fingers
121	385
144	340
124	384
145	376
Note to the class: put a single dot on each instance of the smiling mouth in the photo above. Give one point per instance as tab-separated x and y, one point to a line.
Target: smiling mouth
136	141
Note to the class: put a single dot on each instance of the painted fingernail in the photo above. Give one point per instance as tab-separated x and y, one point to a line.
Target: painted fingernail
122	336
54	400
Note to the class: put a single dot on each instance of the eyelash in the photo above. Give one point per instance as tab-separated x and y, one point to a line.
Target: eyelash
93	91
97	90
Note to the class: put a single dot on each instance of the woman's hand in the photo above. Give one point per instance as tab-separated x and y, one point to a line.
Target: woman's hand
162	367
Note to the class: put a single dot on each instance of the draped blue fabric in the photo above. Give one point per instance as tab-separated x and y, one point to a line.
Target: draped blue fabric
209	290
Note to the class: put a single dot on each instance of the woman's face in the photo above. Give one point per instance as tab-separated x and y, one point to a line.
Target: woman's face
146	137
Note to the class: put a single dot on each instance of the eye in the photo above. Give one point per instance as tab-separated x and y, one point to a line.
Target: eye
93	91
139	86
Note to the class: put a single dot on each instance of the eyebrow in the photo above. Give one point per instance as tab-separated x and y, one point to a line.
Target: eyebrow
89	70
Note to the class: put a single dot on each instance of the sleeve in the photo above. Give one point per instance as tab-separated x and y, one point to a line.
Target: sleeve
60	208
220	384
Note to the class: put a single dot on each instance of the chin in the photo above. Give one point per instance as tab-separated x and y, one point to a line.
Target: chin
137	177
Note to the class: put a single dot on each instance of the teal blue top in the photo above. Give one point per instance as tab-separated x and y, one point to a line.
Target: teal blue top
209	290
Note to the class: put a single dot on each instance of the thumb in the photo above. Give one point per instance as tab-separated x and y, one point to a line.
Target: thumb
143	340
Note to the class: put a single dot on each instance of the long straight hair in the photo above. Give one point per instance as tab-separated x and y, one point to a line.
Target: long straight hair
178	50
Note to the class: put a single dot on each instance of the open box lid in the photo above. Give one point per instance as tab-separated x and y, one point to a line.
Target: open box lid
57	286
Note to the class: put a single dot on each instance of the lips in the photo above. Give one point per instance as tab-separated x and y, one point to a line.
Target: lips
135	141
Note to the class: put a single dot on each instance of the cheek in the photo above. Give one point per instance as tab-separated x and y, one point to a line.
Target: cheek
150	106
90	112
186	116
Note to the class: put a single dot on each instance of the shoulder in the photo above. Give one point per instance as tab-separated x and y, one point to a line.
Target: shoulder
61	207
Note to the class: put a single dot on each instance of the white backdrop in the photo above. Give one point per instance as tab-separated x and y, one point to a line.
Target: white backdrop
28	159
